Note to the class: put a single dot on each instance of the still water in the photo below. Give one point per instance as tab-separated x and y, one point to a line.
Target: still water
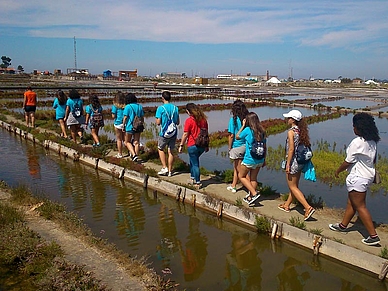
198	249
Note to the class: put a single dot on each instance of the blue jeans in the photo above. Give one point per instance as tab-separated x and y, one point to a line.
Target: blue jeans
194	154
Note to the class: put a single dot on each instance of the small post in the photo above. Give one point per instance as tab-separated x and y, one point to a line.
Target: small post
178	193
316	244
155	194
384	271
96	163
274	230
193	196
145	181
220	207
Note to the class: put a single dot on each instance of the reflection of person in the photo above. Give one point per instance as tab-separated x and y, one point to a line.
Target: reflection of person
75	122
60	111
298	133
250	131
194	257
191	129
33	162
118	115
163	114
359	162
131	110
95	125
236	146
289	279
29	106
243	265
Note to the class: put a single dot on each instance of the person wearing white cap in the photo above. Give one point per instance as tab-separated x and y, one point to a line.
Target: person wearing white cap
298	133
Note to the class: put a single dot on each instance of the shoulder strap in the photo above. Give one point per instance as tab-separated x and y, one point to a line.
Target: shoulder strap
168	115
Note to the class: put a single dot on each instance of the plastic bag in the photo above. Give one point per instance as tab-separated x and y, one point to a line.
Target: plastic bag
309	172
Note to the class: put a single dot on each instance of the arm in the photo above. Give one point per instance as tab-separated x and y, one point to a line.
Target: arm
183	141
291	150
66	113
241	129
230	140
124	122
342	168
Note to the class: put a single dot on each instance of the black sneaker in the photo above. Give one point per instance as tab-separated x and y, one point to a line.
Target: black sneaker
371	241
336	227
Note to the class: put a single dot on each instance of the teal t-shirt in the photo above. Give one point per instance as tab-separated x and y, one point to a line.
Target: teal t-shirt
130	111
164	112
233	130
247	134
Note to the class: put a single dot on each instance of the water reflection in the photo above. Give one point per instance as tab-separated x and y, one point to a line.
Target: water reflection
33	162
189	246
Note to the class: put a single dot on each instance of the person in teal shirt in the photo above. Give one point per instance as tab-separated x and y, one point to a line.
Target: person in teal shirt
236	146
118	116
131	110
60	111
251	130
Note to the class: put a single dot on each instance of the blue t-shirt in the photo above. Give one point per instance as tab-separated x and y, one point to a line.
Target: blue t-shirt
233	130
71	103
90	110
247	133
164	112
60	110
130	111
119	113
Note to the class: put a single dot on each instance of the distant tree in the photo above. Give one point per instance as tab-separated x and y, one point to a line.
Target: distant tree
6	62
20	69
346	80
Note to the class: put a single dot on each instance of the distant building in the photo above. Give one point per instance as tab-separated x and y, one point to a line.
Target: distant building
201	81
172	75
127	75
7	71
107	73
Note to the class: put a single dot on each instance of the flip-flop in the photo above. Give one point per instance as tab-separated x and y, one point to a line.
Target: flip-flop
309	213
284	208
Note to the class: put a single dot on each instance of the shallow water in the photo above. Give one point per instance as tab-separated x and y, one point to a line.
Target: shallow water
198	249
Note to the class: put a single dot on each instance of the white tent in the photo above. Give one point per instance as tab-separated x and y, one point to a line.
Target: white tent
273	80
371	82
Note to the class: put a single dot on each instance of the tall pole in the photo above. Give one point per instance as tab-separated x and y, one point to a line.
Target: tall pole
75	54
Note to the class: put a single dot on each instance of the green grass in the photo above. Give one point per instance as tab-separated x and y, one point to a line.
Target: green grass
297	222
263	225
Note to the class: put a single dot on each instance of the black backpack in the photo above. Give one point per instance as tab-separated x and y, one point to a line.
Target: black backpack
202	139
303	154
259	149
77	110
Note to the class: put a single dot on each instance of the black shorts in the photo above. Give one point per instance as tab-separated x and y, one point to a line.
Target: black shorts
30	108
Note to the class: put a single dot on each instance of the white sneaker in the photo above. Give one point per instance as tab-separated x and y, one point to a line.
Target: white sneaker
163	171
169	174
230	188
118	156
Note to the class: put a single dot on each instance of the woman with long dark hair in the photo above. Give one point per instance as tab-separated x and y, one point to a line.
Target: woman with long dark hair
236	146
360	164
191	129
74	116
94	118
297	134
118	115
251	131
60	111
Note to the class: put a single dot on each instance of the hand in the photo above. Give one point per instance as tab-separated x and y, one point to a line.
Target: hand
180	148
243	122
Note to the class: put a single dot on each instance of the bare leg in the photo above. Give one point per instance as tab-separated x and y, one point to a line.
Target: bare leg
293	183
253	177
128	144
26	118
136	142
95	134
356	202
162	156
32	118
242	174
63	127
119	140
170	160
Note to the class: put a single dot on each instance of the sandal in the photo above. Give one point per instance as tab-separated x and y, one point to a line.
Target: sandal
284	208
308	213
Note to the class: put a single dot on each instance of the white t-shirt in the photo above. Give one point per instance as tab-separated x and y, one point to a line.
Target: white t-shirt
361	154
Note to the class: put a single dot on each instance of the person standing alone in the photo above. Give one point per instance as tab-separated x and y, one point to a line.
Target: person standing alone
167	116
29	106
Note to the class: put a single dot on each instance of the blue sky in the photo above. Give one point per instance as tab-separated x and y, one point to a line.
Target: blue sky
323	39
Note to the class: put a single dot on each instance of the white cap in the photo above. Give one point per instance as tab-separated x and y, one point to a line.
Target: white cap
294	114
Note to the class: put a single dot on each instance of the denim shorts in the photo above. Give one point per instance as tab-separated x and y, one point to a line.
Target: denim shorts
169	142
253	166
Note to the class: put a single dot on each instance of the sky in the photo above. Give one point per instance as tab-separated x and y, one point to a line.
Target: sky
301	39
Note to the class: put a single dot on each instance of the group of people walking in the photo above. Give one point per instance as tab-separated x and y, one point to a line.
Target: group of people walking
246	136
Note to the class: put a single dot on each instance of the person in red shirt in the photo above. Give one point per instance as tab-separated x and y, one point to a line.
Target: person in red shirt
191	129
29	106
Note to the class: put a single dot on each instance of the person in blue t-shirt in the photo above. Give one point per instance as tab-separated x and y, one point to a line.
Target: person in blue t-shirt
251	130
60	111
236	146
163	114
75	118
118	116
94	118
131	110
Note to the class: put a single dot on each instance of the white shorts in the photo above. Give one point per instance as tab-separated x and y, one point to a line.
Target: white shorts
359	184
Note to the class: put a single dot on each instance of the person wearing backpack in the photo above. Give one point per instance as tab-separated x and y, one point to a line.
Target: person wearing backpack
194	124
94	118
59	105
297	134
74	116
118	115
167	116
133	112
254	134
236	146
